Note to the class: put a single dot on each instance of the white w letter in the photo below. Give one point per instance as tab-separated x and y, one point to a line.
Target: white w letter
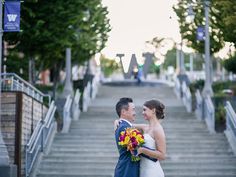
11	17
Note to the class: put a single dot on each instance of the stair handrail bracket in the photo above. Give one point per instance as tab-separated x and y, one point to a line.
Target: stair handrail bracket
13	82
40	138
67	114
209	114
230	131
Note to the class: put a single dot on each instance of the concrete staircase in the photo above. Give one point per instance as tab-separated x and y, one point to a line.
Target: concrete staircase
89	150
192	151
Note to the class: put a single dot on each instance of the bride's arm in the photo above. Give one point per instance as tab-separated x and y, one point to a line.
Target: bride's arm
141	127
160	153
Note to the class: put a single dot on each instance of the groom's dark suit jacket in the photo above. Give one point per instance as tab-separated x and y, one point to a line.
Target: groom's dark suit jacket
125	167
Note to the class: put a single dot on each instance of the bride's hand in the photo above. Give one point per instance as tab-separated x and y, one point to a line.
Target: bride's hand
140	150
116	124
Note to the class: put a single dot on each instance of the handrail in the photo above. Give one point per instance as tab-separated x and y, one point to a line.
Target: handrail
187	97
199	105
231	113
209	114
231	126
39	138
13	82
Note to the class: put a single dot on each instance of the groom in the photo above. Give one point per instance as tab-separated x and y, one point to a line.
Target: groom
125	167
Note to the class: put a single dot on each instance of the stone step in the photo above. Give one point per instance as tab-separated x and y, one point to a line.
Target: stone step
185	173
173	157
111	164
105	171
171	147
168	161
113	150
111	137
85	171
71	175
174	141
67	168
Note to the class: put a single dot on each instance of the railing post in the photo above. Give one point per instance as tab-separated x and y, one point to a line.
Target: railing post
12	83
230	131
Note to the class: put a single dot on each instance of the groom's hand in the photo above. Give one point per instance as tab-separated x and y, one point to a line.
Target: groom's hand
116	124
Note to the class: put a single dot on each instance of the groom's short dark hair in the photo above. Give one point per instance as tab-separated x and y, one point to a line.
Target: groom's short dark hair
123	103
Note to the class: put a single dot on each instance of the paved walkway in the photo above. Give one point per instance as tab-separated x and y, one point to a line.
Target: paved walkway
89	150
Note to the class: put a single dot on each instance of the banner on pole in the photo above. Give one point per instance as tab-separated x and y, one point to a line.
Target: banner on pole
200	33
12	16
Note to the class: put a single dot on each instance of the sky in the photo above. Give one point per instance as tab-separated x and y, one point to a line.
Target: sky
135	21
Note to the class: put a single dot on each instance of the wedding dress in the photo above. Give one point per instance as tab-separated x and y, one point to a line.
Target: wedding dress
148	168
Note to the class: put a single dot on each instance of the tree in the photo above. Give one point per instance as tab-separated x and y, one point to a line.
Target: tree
188	30
230	64
49	27
108	66
225	10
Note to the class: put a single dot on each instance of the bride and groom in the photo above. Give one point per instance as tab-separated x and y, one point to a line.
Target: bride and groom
154	137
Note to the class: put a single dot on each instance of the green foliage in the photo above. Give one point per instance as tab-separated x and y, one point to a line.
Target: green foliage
49	27
219	86
16	64
230	64
170	59
220	116
225	10
44	88
108	66
154	69
188	30
197	85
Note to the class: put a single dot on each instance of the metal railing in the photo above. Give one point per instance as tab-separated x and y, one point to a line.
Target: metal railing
12	82
187	97
39	139
230	131
199	105
67	114
209	114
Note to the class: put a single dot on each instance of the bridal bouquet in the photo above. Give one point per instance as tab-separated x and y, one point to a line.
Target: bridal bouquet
131	139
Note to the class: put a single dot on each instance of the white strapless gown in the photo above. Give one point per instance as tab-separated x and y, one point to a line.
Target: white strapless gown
149	168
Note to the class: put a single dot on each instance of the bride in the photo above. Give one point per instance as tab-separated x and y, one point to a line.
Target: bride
153	112
154	136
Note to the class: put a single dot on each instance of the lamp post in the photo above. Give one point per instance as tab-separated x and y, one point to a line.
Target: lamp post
207	89
4	158
180	69
68	88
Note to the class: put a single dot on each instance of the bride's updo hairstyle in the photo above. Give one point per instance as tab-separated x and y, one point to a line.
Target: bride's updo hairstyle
158	106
